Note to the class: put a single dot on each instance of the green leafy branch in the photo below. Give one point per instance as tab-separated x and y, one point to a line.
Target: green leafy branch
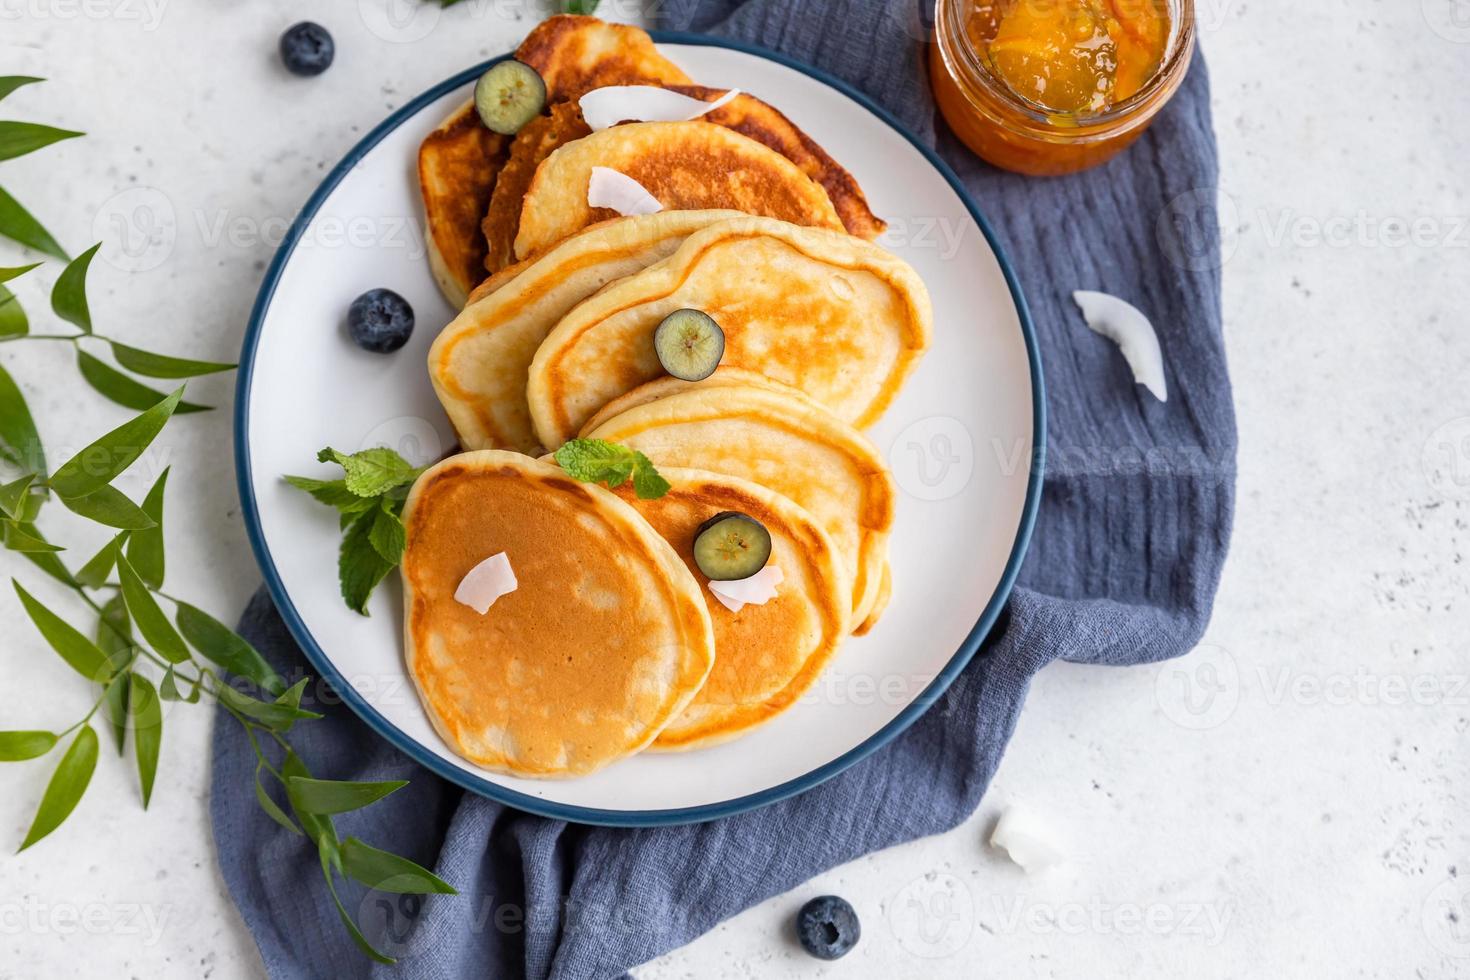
136	657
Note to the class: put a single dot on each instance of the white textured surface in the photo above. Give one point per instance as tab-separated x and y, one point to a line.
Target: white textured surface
1307	821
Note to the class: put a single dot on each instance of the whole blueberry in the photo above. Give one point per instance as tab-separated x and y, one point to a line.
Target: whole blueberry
828	927
380	321
307	49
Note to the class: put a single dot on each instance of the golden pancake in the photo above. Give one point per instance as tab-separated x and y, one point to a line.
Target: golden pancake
829	314
534	143
576	54
749	116
457	166
606	639
788	445
685	165
767	655
668	385
479	362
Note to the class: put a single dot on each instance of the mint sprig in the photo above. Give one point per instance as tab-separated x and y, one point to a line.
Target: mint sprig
613	464
369	499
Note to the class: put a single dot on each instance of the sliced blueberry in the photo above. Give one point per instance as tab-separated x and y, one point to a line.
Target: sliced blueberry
307	49
828	927
380	321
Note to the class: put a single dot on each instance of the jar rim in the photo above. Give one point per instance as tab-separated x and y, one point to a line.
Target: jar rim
949	24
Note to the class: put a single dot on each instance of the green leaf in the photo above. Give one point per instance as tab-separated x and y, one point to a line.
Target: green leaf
388	872
17	539
347	920
69	295
115	699
648	484
115	386
67	785
162	366
274	715
20	746
79	652
371	472
12	495
319	829
270	806
327	796
95	572
333	493
359	566
101	462
13	322
17	430
584	7
145	547
147	714
600	461
217	642
109	505
48	563
8	273
17	224
19	138
387	535
9	83
149	618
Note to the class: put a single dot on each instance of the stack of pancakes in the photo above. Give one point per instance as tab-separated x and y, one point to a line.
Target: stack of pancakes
612	641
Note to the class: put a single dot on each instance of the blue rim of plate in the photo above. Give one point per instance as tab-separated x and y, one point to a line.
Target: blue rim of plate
594	815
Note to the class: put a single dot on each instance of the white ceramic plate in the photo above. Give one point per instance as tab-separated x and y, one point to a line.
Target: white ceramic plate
964	440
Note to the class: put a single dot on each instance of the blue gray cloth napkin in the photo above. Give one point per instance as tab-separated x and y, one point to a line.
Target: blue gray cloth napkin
1134	523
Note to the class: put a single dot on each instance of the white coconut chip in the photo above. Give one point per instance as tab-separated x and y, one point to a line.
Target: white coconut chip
612	104
757	590
1024	842
486	582
1125	325
608	188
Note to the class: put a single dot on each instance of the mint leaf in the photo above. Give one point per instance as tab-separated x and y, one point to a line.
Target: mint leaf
371	472
359	565
387	535
600	461
333	493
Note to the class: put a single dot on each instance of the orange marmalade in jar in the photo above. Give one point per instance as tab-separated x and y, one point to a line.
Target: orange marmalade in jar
1054	86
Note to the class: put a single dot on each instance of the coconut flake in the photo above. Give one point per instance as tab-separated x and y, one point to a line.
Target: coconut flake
1125	325
608	188
486	582
1024	842
757	590
612	104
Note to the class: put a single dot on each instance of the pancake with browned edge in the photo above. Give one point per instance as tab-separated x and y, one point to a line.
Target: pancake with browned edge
766	655
604	641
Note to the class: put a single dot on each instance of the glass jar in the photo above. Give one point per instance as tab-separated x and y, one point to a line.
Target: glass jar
1018	134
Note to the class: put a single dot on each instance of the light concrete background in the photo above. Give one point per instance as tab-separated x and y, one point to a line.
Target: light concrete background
1288	801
